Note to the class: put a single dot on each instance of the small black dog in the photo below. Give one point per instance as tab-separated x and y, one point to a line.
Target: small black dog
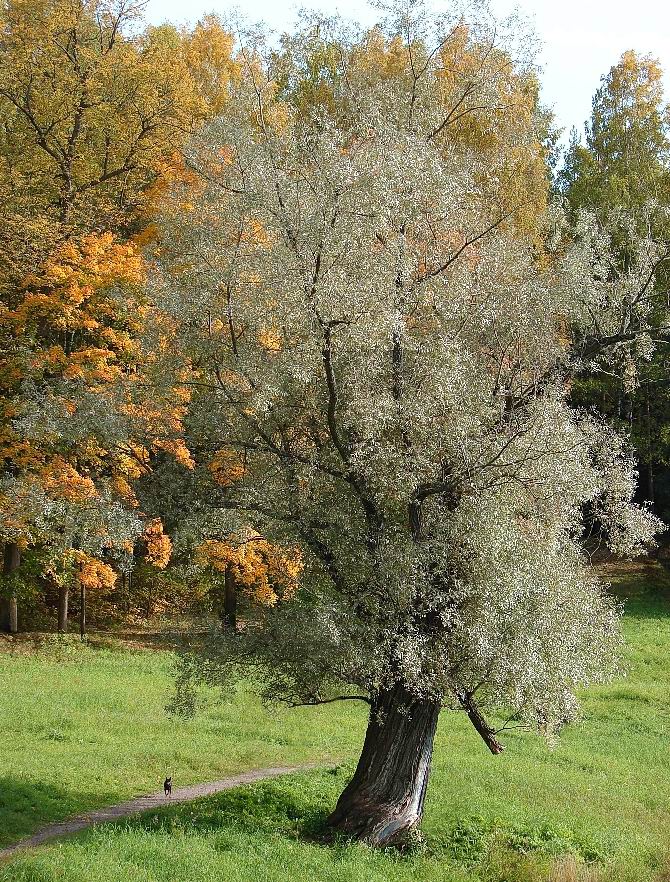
167	786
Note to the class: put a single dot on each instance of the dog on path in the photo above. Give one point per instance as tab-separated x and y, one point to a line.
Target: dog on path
167	786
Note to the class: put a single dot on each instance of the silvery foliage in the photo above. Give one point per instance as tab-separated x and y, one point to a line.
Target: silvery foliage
412	430
620	315
100	526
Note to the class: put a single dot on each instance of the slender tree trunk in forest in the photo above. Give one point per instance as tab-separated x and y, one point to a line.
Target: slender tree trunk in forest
384	800
130	589
82	609
13	615
650	464
230	600
11	562
63	601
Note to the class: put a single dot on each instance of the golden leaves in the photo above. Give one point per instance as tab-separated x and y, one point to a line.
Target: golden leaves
62	481
255	233
208	55
492	108
177	448
266	572
91	572
72	291
122	488
380	57
93	140
94	124
158	544
227	467
637	81
270	339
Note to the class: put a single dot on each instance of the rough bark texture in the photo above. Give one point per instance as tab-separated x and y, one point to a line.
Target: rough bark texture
486	732
63	600
11	562
384	800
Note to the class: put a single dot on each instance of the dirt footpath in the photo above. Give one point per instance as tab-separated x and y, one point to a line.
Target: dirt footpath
146	803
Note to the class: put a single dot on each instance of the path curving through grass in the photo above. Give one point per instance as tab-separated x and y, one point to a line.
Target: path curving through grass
145	803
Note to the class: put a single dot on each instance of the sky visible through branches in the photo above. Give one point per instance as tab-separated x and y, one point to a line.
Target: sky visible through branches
581	40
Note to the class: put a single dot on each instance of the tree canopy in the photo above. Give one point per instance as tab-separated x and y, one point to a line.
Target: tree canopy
309	313
383	326
95	111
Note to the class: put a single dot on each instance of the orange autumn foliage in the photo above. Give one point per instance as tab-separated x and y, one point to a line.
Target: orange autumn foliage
96	109
158	544
74	290
76	332
227	467
62	481
266	572
91	572
178	449
81	315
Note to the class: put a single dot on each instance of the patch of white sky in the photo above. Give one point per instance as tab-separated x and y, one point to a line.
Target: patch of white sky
579	39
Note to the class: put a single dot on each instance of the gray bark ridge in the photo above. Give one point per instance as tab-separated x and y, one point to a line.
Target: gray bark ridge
146	803
383	802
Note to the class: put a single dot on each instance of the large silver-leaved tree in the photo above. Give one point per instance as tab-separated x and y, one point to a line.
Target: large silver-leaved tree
381	327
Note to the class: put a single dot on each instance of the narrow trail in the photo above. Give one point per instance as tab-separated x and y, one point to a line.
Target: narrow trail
145	803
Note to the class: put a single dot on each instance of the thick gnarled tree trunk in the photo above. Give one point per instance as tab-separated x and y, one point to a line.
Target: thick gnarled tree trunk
384	800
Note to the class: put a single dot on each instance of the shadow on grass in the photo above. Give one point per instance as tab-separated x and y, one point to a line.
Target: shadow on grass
297	808
644	587
26	805
266	807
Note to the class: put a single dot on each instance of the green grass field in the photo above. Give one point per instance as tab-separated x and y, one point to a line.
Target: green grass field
82	727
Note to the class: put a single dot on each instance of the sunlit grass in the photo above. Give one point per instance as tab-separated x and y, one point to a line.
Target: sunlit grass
603	794
83	727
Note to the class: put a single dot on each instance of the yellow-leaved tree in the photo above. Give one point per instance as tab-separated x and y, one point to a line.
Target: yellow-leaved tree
265	572
94	110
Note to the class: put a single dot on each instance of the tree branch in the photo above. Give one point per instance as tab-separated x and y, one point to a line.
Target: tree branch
316	701
454	257
485	730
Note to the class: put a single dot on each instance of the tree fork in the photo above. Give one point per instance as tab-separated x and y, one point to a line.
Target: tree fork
384	800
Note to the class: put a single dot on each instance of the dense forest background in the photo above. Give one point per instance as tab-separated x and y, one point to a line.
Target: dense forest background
101	460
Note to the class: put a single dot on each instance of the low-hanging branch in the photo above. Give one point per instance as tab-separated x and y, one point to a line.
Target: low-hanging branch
482	727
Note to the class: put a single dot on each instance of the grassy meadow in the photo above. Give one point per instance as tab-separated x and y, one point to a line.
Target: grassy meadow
82	727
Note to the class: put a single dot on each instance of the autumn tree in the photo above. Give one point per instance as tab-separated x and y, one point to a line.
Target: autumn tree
249	563
624	160
95	109
78	429
92	105
375	332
